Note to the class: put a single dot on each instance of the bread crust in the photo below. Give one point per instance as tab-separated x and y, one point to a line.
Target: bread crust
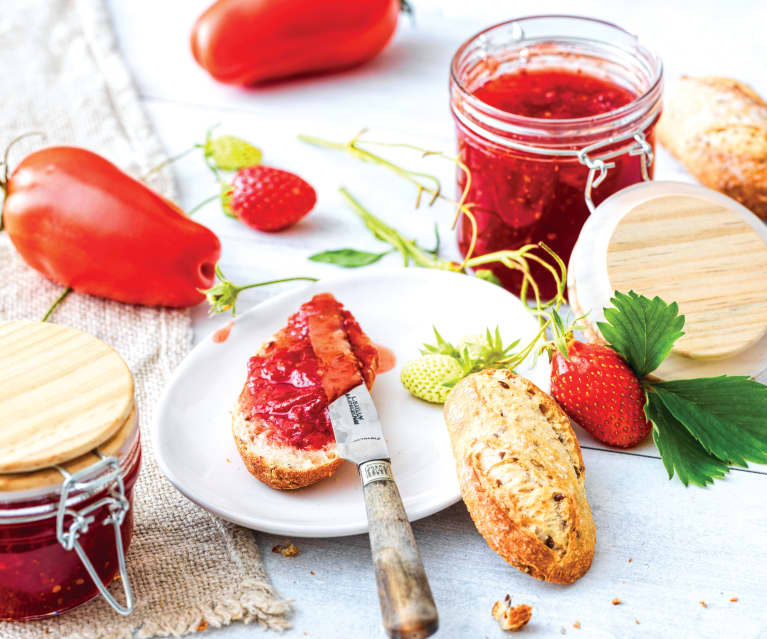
521	474
717	128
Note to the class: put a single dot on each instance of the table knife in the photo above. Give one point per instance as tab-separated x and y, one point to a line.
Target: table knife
407	605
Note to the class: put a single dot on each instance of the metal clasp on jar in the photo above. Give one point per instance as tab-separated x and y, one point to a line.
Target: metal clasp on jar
82	519
599	166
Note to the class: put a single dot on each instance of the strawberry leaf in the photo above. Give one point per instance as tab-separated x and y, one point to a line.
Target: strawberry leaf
725	414
678	449
642	330
347	257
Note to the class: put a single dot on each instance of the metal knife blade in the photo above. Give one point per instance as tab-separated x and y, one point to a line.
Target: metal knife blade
356	426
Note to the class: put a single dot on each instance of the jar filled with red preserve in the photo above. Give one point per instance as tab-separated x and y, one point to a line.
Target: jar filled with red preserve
70	455
553	114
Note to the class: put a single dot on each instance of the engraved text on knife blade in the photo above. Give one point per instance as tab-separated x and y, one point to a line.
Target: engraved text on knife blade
356	426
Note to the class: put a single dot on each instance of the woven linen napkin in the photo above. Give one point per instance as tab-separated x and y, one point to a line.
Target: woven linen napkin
188	569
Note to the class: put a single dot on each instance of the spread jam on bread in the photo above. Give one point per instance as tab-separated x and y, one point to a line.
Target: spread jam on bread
321	354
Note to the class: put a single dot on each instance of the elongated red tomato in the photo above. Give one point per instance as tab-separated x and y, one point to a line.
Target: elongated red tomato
82	222
249	41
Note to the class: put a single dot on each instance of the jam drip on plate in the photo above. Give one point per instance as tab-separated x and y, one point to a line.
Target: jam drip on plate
321	354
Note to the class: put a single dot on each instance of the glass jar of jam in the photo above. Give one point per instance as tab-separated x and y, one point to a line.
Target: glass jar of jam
64	530
553	114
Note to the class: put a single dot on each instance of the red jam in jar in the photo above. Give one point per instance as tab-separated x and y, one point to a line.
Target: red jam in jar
526	96
321	354
38	576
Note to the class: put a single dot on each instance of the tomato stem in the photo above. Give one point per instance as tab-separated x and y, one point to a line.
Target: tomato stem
5	165
55	304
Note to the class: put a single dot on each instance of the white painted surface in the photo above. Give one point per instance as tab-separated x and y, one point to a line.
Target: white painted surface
687	545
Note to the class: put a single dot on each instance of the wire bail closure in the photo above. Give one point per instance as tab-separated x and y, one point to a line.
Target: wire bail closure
82	519
598	166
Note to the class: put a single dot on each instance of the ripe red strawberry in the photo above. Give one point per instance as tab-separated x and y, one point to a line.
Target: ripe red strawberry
269	199
598	390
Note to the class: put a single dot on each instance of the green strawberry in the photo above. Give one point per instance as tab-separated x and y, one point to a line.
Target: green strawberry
424	377
230	153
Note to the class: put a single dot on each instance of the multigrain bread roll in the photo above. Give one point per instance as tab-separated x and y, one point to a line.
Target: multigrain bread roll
717	128
521	474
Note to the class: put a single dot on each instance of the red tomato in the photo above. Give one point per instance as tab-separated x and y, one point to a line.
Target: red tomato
249	41
82	222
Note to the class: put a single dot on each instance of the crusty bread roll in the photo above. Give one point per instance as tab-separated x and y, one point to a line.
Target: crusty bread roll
521	474
717	128
337	352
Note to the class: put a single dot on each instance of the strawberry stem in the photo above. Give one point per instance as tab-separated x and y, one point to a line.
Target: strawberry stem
199	205
6	165
517	259
169	160
222	296
409	249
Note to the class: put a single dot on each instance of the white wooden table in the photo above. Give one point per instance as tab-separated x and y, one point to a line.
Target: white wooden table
661	549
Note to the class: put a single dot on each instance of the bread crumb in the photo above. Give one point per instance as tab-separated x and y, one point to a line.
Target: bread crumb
288	550
311	572
577	624
509	618
704	604
203	625
616	602
734	599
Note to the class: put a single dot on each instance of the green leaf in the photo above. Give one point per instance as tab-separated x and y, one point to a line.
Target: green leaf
727	415
442	347
347	257
642	330
477	352
487	275
680	451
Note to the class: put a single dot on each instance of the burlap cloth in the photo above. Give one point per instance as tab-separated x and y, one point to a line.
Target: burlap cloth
63	75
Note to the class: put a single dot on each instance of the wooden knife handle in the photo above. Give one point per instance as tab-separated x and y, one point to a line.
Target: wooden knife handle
407	605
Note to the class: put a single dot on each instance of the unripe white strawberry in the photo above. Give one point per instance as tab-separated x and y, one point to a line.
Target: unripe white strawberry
424	377
229	153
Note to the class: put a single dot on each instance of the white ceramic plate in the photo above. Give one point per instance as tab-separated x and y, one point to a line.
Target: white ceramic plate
192	434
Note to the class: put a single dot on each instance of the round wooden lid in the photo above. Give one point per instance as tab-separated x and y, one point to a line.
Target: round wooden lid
62	394
117	445
702	254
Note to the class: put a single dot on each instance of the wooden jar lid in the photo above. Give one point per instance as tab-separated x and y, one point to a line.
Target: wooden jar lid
705	257
684	243
63	393
50	476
